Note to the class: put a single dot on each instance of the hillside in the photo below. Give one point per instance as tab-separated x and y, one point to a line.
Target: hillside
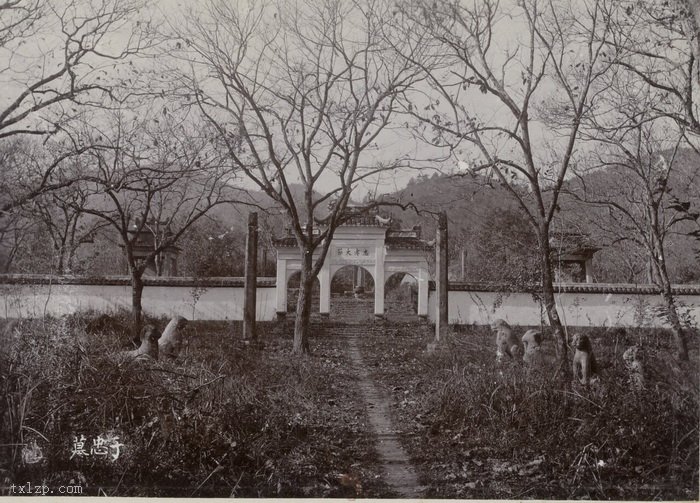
622	257
484	226
489	237
487	226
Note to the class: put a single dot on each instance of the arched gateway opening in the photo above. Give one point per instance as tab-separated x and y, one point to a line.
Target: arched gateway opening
401	297
361	244
352	294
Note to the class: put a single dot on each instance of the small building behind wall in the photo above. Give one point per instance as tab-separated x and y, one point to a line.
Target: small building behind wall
165	262
574	253
365	242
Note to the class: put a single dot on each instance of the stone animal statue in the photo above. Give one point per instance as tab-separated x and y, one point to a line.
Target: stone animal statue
170	342
10	332
532	339
147	351
10	337
506	342
10	328
635	368
584	364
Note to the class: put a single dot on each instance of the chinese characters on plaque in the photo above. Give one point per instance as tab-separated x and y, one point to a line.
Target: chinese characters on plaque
353	254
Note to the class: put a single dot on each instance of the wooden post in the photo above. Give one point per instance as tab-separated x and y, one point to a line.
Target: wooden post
441	274
251	277
463	258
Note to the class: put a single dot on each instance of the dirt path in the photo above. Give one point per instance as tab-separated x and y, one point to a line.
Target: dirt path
400	474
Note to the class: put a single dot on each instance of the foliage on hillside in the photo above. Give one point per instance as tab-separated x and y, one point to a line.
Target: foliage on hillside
623	256
486	225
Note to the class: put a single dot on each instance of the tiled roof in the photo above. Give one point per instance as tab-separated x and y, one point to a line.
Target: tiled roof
269	282
285	242
396	240
364	221
47	279
576	288
407	243
572	242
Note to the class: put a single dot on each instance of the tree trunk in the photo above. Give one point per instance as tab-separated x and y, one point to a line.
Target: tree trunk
70	259
60	267
136	308
658	259
548	297
60	249
158	260
303	314
670	303
674	320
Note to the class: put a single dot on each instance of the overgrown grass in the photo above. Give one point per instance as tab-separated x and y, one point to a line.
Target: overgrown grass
224	419
228	419
482	430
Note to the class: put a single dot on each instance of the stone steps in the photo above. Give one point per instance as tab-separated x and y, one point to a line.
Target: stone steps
348	311
348	308
326	327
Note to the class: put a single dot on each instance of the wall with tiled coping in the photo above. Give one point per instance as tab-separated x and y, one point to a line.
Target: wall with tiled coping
222	299
580	304
196	299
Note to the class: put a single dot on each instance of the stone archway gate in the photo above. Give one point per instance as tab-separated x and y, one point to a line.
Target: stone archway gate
366	242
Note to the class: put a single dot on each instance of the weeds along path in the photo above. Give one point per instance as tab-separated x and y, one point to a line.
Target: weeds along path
477	430
399	473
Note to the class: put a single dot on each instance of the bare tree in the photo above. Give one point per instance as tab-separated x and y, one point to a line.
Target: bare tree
151	172
658	44
514	83
60	214
32	169
56	55
649	115
690	15
647	110
636	188
302	94
35	185
58	58
15	232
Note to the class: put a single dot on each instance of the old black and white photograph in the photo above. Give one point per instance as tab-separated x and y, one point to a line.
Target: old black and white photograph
355	249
